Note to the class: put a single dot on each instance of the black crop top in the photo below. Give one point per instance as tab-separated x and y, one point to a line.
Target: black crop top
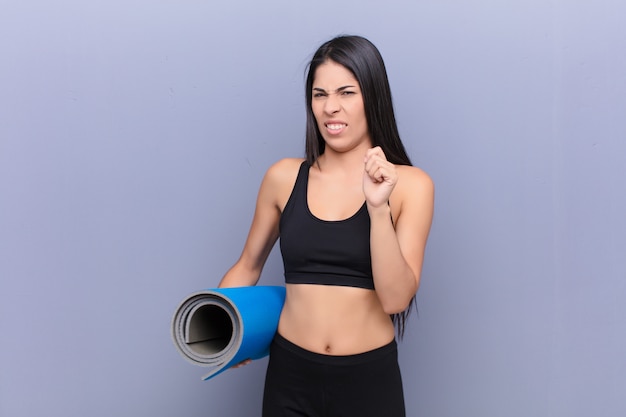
324	252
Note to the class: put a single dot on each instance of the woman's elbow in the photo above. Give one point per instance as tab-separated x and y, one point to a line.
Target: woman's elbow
393	309
397	304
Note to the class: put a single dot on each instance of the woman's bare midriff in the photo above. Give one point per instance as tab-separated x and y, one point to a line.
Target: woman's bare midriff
334	320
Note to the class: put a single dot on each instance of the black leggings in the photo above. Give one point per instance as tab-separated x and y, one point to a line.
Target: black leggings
307	384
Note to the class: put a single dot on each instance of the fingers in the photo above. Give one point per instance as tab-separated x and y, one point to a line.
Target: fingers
242	363
377	167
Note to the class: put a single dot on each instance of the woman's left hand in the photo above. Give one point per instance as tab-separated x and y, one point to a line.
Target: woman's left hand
379	177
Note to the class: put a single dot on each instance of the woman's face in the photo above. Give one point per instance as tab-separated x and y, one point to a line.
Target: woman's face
338	108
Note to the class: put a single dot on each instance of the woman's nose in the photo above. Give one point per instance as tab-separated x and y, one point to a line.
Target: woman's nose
332	104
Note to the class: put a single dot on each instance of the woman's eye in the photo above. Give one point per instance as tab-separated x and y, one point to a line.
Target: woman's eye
317	95
347	93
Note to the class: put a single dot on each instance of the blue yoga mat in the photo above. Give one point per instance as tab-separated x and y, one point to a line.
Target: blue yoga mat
221	327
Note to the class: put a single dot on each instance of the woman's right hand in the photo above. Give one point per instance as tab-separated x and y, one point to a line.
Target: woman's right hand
242	363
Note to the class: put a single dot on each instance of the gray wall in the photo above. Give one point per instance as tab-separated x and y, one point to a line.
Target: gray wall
134	135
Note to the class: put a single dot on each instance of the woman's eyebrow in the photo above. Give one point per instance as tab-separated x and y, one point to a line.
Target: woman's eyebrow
340	89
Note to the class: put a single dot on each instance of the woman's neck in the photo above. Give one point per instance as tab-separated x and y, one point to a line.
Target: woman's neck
350	161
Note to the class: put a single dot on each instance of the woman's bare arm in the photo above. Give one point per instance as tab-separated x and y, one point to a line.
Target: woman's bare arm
273	194
398	250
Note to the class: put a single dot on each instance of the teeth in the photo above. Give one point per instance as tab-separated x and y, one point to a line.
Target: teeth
335	126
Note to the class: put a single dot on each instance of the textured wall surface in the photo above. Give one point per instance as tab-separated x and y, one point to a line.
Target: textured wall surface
134	135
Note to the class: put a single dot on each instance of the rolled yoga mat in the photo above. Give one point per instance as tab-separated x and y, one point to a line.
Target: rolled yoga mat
221	327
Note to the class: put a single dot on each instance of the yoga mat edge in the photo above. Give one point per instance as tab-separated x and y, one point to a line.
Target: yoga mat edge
221	327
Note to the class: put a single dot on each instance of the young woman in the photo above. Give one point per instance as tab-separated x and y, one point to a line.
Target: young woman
353	219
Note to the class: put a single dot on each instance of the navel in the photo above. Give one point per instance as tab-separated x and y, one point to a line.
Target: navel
327	349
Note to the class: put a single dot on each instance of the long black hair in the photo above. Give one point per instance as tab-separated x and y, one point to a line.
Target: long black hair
364	61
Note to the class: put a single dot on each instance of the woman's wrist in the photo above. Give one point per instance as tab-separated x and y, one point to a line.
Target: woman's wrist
380	213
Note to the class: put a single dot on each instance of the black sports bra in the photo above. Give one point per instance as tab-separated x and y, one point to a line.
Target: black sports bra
324	252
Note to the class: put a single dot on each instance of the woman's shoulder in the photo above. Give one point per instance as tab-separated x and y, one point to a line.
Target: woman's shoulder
412	177
414	195
286	167
287	164
283	173
414	186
